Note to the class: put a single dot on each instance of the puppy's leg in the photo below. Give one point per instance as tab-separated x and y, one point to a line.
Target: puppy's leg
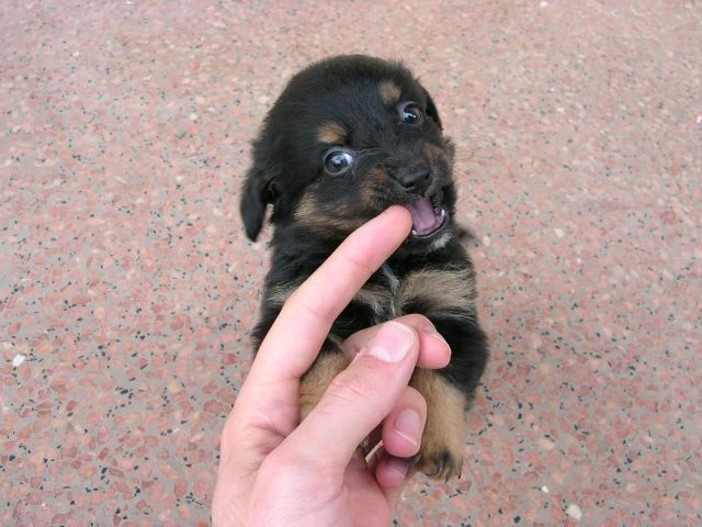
448	393
441	453
318	378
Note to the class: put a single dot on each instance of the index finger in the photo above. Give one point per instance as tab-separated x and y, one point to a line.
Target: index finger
295	338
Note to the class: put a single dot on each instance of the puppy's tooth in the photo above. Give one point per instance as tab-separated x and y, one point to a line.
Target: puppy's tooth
414	232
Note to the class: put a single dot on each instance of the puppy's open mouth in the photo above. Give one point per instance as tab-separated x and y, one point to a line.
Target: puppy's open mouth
427	217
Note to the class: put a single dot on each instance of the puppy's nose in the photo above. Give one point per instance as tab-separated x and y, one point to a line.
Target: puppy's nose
416	181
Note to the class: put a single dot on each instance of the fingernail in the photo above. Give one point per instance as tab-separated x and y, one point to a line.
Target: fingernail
399	467
408	424
392	343
431	331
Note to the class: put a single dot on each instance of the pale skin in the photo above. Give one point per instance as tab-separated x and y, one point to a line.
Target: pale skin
275	470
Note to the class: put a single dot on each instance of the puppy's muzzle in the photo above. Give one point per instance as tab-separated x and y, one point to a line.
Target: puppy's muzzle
422	197
415	181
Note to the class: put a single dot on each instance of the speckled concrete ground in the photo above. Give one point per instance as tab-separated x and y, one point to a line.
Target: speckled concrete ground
127	287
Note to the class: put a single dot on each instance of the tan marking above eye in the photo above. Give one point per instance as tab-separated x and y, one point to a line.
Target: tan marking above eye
389	92
331	133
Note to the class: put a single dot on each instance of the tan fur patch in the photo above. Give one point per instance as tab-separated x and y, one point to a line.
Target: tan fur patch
311	214
375	183
441	453
319	377
332	226
332	134
389	92
279	294
306	209
438	155
445	290
379	299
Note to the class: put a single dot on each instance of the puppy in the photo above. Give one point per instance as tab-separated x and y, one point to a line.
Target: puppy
348	137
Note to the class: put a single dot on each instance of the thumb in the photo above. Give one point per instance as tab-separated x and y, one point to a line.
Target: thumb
358	399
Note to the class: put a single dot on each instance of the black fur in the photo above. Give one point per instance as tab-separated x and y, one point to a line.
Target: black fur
394	162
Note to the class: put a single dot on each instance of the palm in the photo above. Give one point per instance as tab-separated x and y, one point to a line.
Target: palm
357	501
364	499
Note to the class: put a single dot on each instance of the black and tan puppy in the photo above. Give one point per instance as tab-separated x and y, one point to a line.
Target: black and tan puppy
348	137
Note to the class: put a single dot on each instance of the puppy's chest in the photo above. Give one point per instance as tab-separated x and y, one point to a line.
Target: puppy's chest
429	291
381	295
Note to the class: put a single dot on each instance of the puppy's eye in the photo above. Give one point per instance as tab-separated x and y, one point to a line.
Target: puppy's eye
337	162
410	113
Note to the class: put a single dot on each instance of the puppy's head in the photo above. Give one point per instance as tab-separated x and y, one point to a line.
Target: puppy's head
347	138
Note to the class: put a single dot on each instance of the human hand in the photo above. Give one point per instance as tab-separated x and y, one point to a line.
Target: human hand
276	471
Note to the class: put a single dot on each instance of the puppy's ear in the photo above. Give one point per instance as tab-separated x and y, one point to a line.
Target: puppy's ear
258	192
431	109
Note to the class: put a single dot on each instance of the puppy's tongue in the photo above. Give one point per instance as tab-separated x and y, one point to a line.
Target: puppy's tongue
424	219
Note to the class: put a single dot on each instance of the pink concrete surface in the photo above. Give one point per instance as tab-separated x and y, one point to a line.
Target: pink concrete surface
128	288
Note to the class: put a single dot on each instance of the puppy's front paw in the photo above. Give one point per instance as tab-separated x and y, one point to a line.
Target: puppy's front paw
439	460
441	453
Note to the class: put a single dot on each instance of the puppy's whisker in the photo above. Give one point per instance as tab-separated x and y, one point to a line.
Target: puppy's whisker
363	156
365	152
473	157
475	153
